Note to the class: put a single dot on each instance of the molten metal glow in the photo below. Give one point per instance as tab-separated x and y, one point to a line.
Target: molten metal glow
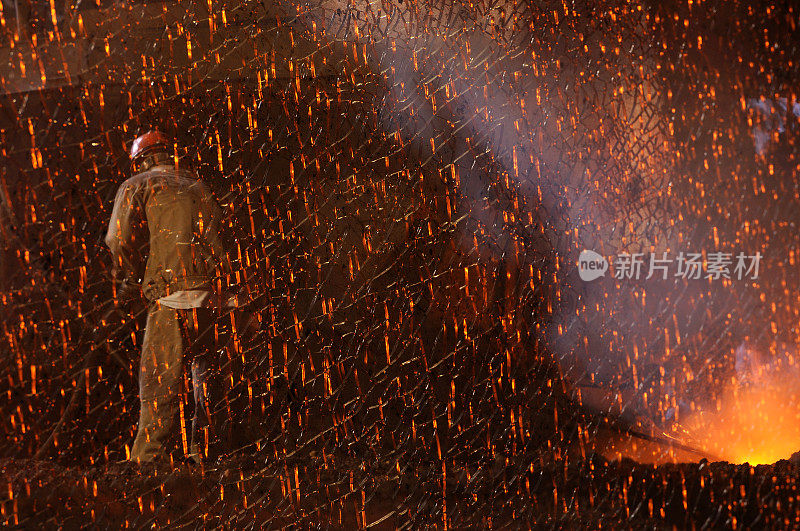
753	423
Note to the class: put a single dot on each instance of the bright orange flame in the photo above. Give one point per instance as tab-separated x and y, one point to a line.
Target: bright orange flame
753	418
755	423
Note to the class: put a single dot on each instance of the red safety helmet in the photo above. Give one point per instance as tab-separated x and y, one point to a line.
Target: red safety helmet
149	142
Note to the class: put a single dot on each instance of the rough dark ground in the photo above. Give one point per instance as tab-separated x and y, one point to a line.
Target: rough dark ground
329	492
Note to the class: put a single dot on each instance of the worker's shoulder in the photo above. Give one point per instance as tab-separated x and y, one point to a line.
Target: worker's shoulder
133	183
166	177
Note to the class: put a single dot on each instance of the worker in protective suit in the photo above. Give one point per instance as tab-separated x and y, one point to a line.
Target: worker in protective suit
164	240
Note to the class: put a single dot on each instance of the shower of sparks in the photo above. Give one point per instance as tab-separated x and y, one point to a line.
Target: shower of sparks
407	185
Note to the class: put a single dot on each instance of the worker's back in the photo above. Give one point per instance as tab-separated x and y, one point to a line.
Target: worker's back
175	215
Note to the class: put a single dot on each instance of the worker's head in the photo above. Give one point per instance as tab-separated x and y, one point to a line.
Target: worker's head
150	149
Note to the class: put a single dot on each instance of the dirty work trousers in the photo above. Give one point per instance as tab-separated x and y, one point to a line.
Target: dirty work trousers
173	338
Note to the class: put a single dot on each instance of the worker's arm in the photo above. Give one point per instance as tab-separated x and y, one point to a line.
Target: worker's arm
127	236
221	259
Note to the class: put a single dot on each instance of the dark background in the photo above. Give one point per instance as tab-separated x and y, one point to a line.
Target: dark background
409	298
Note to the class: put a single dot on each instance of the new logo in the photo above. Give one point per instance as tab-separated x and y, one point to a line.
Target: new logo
591	265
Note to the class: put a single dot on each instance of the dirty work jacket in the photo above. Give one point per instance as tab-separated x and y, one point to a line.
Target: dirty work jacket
164	232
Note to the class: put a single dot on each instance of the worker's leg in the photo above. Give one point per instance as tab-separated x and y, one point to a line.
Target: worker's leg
201	337
205	332
159	379
200	420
